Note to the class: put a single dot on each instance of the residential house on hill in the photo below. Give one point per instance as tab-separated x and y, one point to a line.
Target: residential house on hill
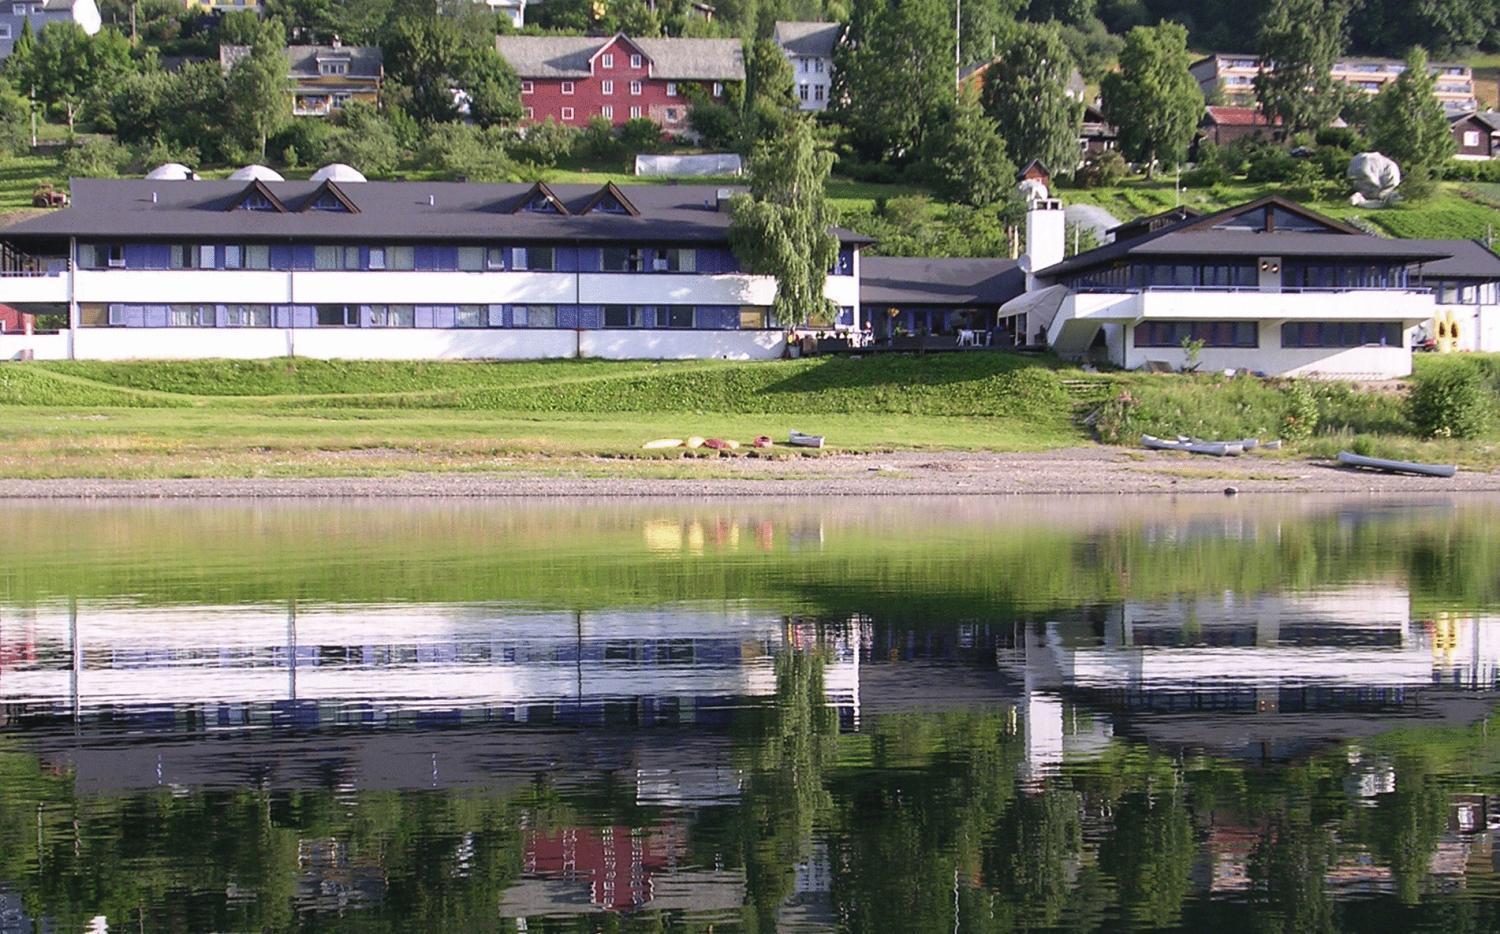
809	48
1231	78
513	10
14	16
222	6
325	77
1477	134
573	79
1223	124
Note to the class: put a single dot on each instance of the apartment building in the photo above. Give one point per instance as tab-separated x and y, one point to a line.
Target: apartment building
161	269
15	15
809	49
1232	78
325	77
574	79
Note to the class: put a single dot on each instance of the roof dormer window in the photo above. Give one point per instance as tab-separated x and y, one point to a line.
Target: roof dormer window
327	201
542	203
258	202
338	66
610	200
257	197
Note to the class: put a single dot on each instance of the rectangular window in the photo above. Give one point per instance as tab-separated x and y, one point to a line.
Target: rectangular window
802	92
181	256
817	92
607	60
534	316
635	89
247	316
530	114
622	316
674	260
471	258
471	316
187	316
718	89
1340	333
351	258
116	256
671	88
607	87
752	318
1471	138
635	61
206	257
567	113
234	257
818	65
257	256
674	316
621	259
401	257
494	258
527	87
338	316
392	316
4	30
567	87
607	112
1212	333
377	257
326	257
536	258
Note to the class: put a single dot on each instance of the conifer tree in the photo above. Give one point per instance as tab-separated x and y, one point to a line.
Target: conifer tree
1408	123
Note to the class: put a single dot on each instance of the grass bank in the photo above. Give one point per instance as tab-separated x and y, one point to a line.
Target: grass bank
276	418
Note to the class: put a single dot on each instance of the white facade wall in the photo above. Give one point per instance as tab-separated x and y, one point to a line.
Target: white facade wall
42	346
806	73
117	286
1478	326
1083	314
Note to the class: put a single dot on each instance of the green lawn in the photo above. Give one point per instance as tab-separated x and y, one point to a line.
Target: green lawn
285	418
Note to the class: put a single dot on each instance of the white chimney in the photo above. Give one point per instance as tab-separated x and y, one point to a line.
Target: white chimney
1046	237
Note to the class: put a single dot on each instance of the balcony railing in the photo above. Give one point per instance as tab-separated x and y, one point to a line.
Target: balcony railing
1249	289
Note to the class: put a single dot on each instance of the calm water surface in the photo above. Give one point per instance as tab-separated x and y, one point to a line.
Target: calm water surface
1093	714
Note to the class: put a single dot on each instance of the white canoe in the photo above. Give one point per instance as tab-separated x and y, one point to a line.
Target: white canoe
1215	448
1350	459
800	440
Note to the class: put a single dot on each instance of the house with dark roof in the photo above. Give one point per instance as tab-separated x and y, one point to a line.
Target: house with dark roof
809	49
324	77
153	268
571	80
1224	124
1476	133
1466	290
900	295
1267	286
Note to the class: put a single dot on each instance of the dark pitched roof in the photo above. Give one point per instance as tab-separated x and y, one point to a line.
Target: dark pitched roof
1144	225
808	38
902	280
387	211
365	61
1488	119
1469	259
1202	236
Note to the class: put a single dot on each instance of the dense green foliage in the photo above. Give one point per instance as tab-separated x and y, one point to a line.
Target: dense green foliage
1025	91
1303	38
894	77
1452	400
1409	124
1153	99
781	228
967	156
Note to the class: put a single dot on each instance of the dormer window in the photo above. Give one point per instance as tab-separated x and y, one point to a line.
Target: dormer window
541	203
328	201
333	67
608	204
610	200
257	197
258	202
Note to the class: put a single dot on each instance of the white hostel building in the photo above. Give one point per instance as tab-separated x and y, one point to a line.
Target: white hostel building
1267	286
157	269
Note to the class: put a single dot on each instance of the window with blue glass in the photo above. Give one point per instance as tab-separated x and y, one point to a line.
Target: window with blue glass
1340	334
1211	333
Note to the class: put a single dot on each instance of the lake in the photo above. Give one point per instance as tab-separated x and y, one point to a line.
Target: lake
967	714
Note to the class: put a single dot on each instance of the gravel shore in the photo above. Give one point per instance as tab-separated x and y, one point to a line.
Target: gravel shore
1104	471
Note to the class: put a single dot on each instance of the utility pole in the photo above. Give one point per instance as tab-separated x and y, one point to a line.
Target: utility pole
958	42
33	116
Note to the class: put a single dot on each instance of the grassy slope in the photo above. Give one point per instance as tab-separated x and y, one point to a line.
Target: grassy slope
280	418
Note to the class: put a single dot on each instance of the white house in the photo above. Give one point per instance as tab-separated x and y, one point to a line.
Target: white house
809	48
14	16
1267	286
394	270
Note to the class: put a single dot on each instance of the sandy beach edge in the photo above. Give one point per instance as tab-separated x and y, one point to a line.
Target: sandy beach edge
1076	471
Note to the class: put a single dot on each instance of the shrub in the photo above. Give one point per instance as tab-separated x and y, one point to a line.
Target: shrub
1299	417
640	135
97	158
715	124
1271	165
1104	170
1205	175
546	143
308	137
1450	401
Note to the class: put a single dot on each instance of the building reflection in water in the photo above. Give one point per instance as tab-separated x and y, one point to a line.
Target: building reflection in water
487	696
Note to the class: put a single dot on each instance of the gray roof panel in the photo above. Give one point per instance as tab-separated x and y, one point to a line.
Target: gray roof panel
671	59
388	211
901	280
1469	259
816	39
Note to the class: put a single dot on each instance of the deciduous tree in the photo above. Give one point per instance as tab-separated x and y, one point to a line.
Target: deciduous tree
1153	100
1408	123
894	75
967	156
1299	42
1025	91
781	228
258	89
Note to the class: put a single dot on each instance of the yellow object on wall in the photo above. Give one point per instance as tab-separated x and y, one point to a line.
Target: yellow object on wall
1445	332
